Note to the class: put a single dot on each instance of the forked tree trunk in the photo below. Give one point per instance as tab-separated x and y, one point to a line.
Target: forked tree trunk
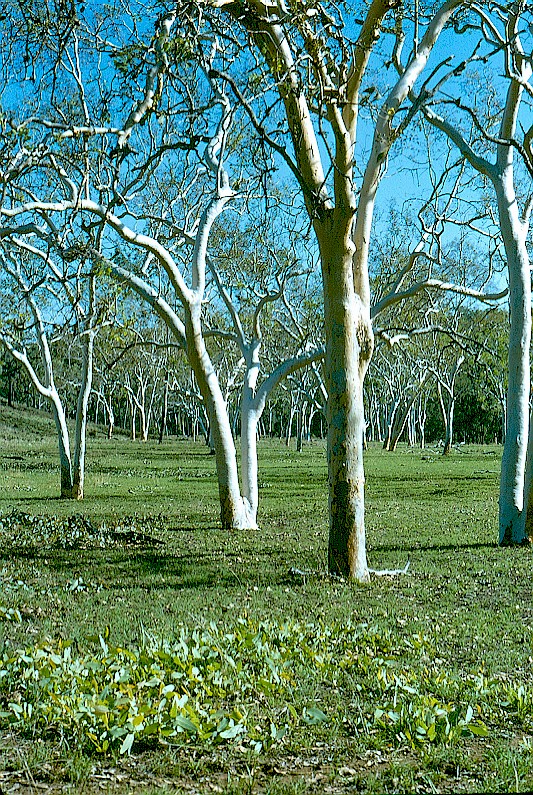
401	418
253	402
513	229
398	427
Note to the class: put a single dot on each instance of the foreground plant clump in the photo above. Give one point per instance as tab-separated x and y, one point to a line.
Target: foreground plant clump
212	685
24	530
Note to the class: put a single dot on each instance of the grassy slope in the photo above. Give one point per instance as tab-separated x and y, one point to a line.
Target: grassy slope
472	599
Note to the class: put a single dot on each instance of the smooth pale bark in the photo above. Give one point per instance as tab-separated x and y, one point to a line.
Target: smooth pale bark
503	407
107	403
80	433
49	392
514	229
72	471
72	475
249	460
348	329
349	343
164	410
253	402
233	509
139	401
331	208
447	409
46	386
133	419
65	462
344	247
421	416
512	519
254	398
400	419
390	423
110	419
448	437
447	406
250	416
528	490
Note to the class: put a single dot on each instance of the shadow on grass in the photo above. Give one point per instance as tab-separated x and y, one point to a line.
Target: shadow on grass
150	570
432	547
23	497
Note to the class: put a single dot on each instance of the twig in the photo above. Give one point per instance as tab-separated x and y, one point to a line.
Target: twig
390	572
305	573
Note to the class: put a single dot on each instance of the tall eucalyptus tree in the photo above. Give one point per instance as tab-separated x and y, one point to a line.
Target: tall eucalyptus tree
498	146
316	60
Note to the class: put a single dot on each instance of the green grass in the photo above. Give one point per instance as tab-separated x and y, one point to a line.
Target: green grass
456	628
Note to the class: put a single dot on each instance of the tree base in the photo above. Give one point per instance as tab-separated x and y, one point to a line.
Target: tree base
508	541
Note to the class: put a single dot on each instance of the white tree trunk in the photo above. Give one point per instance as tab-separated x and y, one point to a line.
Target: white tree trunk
390	423
233	509
64	445
110	419
512	518
250	415
253	402
448	421
80	434
249	462
48	392
513	229
164	410
349	343
421	417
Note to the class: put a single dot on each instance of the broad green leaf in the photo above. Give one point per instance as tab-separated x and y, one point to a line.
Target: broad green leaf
232	731
314	715
125	748
186	724
479	729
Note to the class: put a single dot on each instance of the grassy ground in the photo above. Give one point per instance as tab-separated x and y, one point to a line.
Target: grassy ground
419	683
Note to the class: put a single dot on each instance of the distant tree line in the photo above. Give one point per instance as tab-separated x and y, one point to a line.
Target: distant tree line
142	387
